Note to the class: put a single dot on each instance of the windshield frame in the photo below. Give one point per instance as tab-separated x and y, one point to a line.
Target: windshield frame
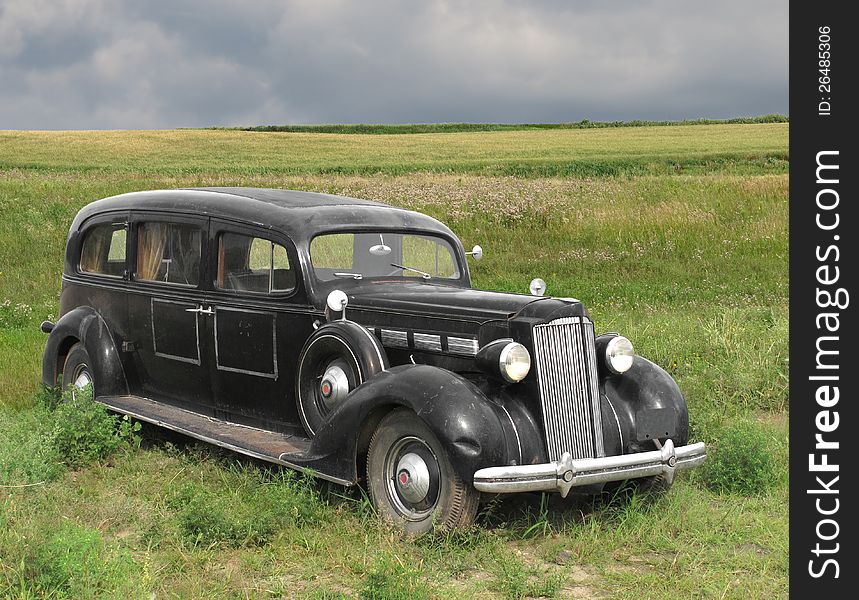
456	248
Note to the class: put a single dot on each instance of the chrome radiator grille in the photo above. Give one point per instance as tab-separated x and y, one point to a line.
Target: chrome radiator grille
569	390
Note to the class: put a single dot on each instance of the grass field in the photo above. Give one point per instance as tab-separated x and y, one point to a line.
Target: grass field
674	235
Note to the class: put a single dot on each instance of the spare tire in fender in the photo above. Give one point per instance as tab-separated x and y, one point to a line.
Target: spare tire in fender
337	358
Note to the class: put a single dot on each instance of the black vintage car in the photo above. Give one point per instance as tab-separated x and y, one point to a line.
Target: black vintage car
343	336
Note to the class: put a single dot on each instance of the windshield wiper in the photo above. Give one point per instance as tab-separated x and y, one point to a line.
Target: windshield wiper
352	275
423	274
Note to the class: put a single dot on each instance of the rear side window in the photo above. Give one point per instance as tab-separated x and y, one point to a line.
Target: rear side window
103	250
251	264
169	253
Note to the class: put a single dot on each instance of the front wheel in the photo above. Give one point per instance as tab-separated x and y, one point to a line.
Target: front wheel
411	481
655	484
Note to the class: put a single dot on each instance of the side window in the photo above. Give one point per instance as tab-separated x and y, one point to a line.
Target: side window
103	250
169	252
250	264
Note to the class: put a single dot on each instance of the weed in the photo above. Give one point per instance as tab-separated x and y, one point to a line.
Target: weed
541	525
391	579
75	562
740	461
61	430
15	315
85	432
27	452
259	505
514	581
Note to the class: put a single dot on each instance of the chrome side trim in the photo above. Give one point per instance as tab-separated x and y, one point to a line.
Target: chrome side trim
463	346
426	341
566	473
515	431
617	421
395	339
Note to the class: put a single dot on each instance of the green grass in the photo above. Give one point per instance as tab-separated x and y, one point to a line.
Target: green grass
687	258
753	148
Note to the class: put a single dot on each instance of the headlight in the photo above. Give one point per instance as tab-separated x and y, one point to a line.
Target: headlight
514	362
505	358
619	355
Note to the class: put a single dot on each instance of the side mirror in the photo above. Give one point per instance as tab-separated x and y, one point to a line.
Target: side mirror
337	301
476	252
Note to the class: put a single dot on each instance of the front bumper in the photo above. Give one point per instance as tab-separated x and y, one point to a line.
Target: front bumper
561	475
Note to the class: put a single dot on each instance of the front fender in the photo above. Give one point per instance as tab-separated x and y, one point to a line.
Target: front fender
85	325
466	422
640	405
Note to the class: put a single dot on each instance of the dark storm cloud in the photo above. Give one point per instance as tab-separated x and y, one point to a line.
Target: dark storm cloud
167	63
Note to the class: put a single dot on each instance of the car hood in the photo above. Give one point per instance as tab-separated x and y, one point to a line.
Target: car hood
434	300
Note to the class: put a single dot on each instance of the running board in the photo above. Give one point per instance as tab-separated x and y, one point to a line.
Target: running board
270	446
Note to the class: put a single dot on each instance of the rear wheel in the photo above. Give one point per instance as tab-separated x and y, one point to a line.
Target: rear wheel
410	478
77	370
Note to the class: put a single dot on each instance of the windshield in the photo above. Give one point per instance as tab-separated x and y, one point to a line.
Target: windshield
382	254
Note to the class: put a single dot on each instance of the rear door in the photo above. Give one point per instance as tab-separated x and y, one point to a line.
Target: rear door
170	321
261	320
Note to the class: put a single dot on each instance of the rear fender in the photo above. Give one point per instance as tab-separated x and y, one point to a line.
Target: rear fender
85	325
476	431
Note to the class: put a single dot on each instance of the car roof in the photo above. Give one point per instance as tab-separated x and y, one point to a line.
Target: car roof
301	215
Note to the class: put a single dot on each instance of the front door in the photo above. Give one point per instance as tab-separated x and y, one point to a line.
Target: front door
259	324
170	318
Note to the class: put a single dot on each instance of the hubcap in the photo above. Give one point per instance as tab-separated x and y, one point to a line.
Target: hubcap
334	386
82	377
412	478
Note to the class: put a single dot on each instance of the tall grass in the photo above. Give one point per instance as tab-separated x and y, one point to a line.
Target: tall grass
741	149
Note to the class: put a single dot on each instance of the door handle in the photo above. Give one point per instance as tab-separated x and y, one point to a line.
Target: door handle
200	310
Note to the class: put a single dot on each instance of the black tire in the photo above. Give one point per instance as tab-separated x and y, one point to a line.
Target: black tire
656	484
341	344
659	484
448	504
77	369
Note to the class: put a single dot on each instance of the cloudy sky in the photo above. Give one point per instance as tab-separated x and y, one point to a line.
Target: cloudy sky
104	64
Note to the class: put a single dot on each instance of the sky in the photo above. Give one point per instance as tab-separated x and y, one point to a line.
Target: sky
148	64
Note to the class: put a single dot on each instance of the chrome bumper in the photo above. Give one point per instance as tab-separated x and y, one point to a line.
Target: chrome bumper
566	473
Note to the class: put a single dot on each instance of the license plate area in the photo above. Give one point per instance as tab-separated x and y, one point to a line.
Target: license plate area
655	423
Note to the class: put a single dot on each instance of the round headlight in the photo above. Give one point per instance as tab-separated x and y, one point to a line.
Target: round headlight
514	362
619	355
